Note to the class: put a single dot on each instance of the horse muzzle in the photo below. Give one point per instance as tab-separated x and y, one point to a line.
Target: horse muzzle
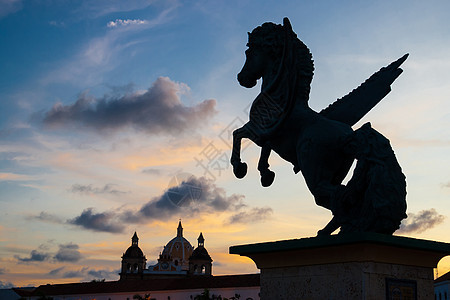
245	81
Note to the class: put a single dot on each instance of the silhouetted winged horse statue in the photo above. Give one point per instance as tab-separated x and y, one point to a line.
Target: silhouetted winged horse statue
321	145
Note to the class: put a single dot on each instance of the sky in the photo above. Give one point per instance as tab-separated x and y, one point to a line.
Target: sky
115	117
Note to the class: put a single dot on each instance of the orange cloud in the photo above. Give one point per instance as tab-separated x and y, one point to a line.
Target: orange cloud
13	177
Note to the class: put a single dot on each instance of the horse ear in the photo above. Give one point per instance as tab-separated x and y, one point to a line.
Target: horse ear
287	24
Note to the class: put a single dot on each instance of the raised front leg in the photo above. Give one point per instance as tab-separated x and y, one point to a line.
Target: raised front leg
267	176
239	168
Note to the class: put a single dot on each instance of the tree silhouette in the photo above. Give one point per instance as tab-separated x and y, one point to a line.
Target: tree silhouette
139	297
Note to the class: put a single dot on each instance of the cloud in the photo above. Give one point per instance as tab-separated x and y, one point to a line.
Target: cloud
423	220
9	6
102	54
100	222
57	23
256	214
445	185
2	271
68	253
106	221
74	273
85	272
35	256
152	171
161	18
97	8
189	198
128	22
159	110
6	285
46	217
103	274
13	177
56	271
89	189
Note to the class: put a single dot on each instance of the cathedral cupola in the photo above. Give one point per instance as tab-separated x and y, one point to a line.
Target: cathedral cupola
133	261
178	250
200	262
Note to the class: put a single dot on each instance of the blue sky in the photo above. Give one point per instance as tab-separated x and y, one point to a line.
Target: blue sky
105	105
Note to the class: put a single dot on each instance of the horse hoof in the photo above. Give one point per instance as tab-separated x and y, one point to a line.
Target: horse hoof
240	170
267	178
323	232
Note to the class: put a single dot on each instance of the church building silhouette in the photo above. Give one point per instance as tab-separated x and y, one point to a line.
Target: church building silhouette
178	259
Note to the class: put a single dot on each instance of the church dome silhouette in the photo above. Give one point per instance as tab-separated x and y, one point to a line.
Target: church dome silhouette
200	262
200	252
133	261
178	249
134	251
178	259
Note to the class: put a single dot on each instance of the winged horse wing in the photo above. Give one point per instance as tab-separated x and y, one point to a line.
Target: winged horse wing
355	105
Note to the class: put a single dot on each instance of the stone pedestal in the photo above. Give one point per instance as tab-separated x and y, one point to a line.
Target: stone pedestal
350	266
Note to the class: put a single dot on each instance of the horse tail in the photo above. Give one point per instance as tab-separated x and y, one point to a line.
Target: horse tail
377	187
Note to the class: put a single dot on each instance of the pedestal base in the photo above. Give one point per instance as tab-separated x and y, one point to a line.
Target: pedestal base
352	266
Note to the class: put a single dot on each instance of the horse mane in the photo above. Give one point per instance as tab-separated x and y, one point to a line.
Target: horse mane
304	65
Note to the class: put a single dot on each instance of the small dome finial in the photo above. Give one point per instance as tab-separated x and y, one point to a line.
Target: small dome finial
201	240
179	229
134	239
